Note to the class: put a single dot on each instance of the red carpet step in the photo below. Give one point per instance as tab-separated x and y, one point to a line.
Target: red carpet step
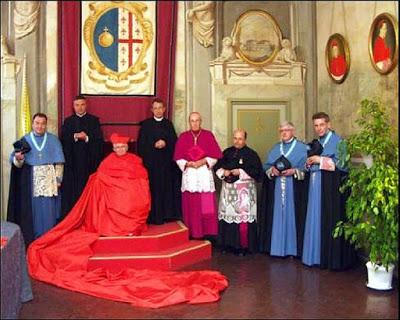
161	247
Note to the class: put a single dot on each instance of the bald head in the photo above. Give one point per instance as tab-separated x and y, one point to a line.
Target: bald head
195	121
239	138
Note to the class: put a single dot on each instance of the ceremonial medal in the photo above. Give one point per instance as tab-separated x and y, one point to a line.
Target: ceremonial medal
39	149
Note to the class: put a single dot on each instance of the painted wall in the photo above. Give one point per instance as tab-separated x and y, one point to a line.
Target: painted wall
341	101
192	76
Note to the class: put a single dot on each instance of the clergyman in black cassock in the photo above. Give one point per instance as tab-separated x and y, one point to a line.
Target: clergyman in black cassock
239	169
82	141
156	144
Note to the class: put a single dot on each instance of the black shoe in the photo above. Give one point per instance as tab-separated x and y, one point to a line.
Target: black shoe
238	252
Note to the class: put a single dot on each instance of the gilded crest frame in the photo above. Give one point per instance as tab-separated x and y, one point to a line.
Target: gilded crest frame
246	26
97	9
343	50
392	38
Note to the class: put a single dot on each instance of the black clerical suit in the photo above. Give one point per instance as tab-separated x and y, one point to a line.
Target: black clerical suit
81	158
164	175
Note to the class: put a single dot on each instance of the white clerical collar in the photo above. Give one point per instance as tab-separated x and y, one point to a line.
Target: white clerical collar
289	141
158	119
80	115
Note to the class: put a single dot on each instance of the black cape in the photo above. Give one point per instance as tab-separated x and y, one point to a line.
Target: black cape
81	158
266	212
249	161
336	254
244	158
19	208
164	175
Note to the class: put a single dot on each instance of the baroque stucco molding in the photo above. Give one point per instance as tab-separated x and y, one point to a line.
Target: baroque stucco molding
202	16
26	15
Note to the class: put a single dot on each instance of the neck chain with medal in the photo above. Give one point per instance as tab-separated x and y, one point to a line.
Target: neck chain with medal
293	144
36	145
328	137
195	136
283	179
236	155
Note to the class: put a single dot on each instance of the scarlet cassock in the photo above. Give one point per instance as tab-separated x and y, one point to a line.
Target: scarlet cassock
115	201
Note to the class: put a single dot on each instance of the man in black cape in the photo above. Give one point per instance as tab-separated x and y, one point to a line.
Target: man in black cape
82	142
239	169
156	144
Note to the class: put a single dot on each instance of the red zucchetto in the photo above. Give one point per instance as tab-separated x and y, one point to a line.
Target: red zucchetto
116	138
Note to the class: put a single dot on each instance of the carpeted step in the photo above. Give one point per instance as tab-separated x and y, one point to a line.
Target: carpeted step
173	258
156	238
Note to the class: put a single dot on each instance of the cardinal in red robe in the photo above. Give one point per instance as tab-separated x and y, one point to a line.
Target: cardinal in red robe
381	51
115	201
338	64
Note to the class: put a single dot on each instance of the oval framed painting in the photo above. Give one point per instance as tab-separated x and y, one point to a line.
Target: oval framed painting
383	43
256	37
337	57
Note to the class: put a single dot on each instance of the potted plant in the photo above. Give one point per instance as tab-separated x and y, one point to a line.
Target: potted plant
372	206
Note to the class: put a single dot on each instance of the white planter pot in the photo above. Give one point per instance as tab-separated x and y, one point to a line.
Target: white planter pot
367	158
378	277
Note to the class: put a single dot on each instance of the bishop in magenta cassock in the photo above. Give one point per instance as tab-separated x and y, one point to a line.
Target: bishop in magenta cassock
196	152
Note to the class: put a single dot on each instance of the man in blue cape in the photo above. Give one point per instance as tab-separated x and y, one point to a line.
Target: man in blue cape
283	196
326	204
37	169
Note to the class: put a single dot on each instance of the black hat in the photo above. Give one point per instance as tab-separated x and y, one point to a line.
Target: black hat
314	148
282	163
21	146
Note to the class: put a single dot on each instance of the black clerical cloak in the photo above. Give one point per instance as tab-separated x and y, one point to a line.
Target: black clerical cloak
249	161
19	208
164	174
81	158
336	254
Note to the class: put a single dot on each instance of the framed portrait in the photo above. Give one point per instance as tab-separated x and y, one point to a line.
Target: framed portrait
256	37
337	57
383	43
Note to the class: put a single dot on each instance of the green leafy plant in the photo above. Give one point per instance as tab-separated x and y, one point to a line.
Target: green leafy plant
372	206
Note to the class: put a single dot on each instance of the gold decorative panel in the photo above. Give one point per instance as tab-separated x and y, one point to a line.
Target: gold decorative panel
261	121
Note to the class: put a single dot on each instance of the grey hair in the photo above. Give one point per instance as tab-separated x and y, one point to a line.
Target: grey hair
195	112
286	123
